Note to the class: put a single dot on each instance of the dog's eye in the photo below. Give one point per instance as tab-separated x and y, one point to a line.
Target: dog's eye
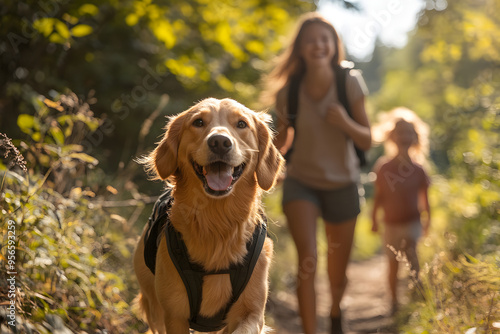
242	124
198	122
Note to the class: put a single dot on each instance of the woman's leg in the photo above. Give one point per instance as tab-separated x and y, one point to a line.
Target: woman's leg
302	216
339	237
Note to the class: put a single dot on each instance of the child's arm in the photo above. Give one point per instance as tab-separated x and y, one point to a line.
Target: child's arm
377	196
376	206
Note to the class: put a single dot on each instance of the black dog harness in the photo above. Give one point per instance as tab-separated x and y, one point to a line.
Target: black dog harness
192	273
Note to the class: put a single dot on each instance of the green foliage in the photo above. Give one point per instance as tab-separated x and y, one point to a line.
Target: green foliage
70	251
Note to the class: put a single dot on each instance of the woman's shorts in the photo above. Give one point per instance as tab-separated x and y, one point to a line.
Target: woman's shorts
336	206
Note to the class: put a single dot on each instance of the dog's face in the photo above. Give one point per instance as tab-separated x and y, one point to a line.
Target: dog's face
218	142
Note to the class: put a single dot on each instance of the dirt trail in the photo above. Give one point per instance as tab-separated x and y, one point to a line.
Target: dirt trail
365	305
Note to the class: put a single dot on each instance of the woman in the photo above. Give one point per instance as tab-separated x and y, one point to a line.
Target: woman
323	171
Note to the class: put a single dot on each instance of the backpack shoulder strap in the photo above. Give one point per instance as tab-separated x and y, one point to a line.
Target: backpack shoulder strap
341	74
293	99
292	108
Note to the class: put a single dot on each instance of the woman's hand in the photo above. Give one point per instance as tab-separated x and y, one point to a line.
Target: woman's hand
337	115
358	128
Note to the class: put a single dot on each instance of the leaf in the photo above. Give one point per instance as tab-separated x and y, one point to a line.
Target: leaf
163	30
66	120
81	30
26	123
53	104
131	19
71	148
56	38
112	190
91	122
256	47
70	19
84	158
62	29
37	136
89	9
57	134
471	259
225	83
44	25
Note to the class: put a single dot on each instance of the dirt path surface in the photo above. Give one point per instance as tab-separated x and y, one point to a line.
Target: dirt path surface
365	306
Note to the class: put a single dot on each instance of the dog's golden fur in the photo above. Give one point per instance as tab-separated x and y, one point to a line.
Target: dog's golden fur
215	227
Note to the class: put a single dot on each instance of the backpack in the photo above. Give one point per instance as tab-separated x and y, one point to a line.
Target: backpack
293	105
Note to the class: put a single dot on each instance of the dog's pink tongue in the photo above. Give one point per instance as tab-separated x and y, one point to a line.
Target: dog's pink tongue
219	176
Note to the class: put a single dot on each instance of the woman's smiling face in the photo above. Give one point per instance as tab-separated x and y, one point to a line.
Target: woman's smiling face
317	45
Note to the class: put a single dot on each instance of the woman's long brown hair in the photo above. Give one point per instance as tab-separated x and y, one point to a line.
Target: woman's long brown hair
290	63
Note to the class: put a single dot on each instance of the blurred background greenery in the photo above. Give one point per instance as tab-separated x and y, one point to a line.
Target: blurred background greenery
85	87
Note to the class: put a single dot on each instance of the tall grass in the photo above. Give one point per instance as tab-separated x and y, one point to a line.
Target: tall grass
456	296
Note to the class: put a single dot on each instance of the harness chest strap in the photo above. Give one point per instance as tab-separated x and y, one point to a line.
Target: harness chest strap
156	223
192	275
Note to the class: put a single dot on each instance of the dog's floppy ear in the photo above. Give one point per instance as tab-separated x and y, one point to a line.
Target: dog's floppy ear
163	160
270	161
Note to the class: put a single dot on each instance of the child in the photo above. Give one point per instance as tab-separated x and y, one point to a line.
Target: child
401	191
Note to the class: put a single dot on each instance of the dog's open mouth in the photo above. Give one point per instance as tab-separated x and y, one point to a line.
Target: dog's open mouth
218	177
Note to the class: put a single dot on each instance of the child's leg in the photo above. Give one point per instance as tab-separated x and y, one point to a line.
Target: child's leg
392	276
413	233
411	255
393	243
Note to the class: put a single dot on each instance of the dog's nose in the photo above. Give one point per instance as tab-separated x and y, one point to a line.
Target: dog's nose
219	144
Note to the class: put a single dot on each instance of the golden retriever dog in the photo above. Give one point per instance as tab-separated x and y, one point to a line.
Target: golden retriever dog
218	157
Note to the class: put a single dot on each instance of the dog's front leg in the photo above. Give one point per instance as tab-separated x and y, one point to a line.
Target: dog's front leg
176	326
253	324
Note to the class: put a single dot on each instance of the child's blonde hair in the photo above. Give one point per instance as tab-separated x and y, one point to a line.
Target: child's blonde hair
382	133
